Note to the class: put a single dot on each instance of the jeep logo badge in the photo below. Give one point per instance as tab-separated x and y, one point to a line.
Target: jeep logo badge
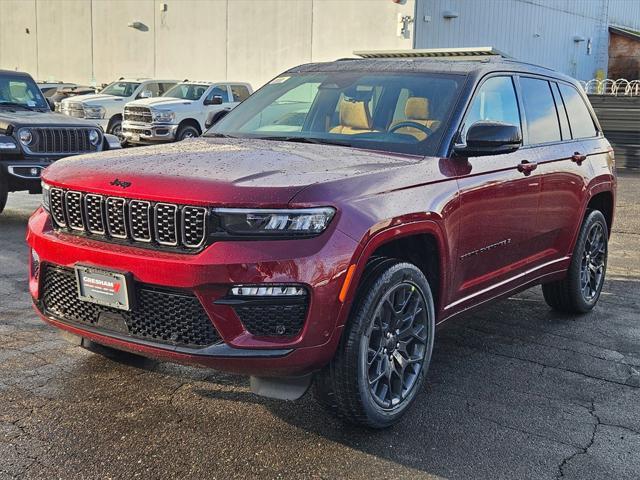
119	183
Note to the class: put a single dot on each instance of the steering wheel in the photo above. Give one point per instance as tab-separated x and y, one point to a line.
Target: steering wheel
418	126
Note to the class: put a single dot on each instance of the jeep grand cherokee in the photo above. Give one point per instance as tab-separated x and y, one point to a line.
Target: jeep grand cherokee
318	233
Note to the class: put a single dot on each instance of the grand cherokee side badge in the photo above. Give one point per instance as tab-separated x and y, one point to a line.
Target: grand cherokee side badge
119	183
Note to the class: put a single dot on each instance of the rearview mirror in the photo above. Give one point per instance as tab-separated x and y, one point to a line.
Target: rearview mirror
490	138
215	100
146	94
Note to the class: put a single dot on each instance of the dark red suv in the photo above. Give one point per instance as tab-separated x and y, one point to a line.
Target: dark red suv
320	231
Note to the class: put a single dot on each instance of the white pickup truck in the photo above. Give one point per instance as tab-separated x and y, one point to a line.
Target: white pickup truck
105	107
184	111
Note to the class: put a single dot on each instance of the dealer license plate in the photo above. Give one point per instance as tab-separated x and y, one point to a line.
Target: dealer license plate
110	289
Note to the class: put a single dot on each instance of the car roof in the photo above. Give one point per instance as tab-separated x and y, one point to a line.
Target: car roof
466	66
13	73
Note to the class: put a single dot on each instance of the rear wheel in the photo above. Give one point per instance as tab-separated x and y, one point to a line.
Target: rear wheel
4	192
580	290
385	350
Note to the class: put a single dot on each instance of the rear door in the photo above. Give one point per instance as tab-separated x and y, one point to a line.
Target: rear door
498	204
559	154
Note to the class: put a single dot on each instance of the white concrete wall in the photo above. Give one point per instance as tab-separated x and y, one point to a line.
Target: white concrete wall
243	40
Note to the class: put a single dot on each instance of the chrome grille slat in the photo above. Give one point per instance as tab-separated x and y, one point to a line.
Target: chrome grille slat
116	217
166	223
73	209
193	226
57	207
140	220
131	220
93	206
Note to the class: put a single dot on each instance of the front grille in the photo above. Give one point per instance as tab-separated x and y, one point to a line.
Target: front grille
61	140
75	110
276	320
137	114
164	225
159	315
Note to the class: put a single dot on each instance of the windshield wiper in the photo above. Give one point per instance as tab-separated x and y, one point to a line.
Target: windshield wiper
219	135
15	104
315	141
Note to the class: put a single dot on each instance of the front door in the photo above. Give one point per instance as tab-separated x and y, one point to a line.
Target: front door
499	198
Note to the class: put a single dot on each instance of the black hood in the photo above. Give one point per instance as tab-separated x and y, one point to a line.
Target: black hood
29	118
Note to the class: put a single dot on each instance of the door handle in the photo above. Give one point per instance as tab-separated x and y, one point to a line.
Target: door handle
578	158
527	167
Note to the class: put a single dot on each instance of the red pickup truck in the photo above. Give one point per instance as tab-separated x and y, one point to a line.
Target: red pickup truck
317	234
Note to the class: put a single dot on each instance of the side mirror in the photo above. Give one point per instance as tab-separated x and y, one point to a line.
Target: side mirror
490	138
215	100
145	94
215	118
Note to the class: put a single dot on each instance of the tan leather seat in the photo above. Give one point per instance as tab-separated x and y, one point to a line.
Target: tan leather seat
416	110
354	117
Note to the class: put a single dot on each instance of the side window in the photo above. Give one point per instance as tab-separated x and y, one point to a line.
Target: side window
239	92
562	112
540	111
221	91
494	101
582	125
153	87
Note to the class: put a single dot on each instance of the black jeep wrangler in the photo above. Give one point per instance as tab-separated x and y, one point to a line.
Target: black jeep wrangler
31	136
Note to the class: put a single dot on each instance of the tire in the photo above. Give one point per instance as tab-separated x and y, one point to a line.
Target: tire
187	131
115	128
4	192
362	383
580	290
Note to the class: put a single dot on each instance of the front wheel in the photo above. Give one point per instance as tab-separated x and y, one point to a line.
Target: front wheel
187	131
580	290
4	192
386	348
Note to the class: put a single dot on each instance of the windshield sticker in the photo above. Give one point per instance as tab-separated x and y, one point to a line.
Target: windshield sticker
31	103
279	80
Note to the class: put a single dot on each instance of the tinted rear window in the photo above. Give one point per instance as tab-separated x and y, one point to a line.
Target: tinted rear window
582	125
540	111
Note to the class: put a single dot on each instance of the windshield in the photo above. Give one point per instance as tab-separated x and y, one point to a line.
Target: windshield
393	112
120	89
22	91
187	91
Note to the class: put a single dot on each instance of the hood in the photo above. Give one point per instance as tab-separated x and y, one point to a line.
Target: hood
28	118
95	99
159	102
219	171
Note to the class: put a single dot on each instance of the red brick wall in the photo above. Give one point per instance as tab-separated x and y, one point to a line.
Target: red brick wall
624	57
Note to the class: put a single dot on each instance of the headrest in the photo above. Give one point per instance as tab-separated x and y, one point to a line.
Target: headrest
355	114
417	108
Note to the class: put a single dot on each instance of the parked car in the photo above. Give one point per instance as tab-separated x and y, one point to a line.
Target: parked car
31	137
49	88
413	190
182	112
106	106
55	98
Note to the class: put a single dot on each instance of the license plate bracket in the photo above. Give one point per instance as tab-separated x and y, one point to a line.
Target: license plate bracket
104	287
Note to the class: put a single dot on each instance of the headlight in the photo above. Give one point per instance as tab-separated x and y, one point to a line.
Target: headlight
46	196
163	116
94	112
25	136
94	137
275	223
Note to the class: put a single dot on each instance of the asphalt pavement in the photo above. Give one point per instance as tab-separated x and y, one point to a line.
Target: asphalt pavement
515	391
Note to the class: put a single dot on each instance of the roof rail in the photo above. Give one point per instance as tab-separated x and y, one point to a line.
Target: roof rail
463	53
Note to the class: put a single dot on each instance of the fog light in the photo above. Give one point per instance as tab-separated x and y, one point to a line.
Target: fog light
268	291
35	264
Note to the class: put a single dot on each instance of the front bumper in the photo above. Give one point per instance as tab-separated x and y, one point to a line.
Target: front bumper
319	264
24	173
148	133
